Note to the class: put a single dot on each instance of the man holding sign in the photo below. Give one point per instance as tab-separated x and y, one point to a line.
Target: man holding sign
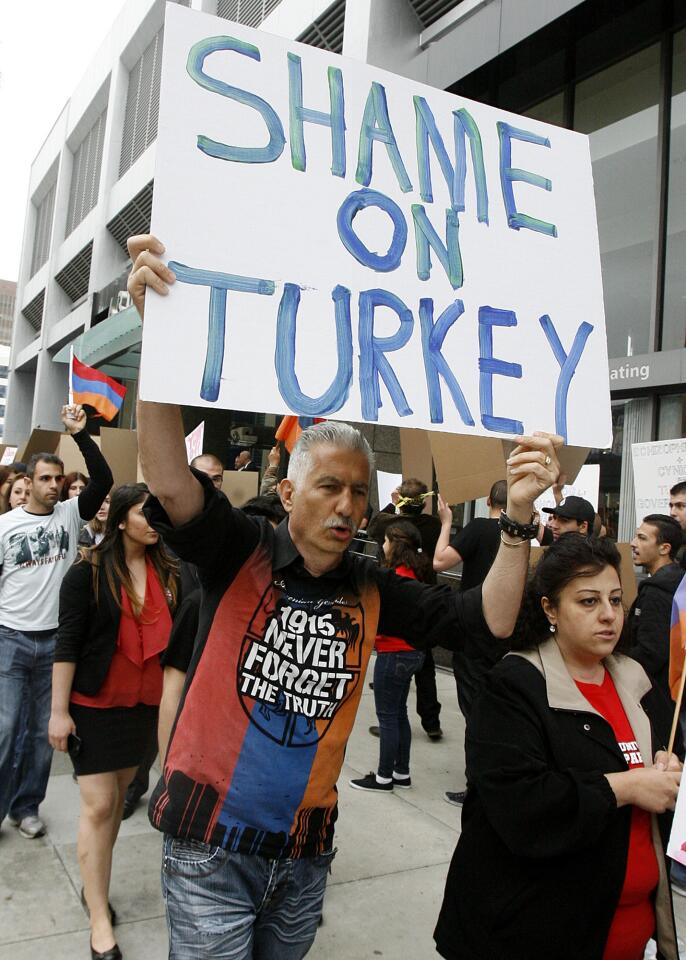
248	796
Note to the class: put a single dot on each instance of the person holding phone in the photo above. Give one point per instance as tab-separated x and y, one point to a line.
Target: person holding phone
115	618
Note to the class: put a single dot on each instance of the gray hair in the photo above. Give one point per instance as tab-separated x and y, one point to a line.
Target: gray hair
333	432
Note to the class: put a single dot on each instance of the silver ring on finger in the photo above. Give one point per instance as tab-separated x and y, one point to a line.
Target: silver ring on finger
547	461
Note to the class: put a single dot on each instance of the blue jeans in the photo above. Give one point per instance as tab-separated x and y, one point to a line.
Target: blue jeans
25	689
231	906
392	675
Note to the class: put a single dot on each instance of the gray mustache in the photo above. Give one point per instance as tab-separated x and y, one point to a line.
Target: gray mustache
341	522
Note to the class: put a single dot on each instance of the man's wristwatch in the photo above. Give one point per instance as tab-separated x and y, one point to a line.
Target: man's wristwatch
523	531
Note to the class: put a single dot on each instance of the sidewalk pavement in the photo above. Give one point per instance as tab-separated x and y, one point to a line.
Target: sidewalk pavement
382	899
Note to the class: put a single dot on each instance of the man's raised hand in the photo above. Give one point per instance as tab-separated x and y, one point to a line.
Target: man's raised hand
147	269
73	416
532	467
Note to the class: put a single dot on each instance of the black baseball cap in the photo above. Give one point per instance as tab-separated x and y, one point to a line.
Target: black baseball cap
574	508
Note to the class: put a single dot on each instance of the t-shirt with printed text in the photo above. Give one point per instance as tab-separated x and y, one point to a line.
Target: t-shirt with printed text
36	550
634	920
275	679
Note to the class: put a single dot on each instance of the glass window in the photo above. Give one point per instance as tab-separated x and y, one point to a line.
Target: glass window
618	108
674	317
671	417
549	111
609	29
526	75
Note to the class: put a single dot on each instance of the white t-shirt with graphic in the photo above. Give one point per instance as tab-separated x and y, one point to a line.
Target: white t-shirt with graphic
36	550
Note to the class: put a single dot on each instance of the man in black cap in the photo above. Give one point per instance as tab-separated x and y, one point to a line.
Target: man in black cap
571	515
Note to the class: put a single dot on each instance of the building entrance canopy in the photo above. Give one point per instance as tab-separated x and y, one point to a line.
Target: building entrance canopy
113	346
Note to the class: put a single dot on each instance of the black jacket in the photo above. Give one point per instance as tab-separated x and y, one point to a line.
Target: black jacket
650	620
540	864
88	627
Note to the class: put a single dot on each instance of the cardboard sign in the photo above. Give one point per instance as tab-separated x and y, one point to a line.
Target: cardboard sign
40	441
194	441
415	458
467	467
627	574
240	486
70	455
119	448
657	467
355	245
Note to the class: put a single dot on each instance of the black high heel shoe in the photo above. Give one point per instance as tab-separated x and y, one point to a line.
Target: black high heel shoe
113	912
114	953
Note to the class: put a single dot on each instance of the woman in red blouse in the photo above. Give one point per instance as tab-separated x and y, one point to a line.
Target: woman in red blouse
115	620
396	663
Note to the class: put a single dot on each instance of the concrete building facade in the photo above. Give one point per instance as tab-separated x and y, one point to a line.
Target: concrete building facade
614	69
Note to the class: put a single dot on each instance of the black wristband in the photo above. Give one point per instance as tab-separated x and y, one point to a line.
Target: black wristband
524	531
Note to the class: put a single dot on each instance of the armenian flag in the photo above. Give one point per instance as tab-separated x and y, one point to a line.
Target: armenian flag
291	427
90	386
677	638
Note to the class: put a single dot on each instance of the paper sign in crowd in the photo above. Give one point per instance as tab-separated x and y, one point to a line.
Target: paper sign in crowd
354	245
658	465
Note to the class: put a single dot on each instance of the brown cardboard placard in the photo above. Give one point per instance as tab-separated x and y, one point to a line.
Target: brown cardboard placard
535	555
627	574
415	455
467	466
415	458
40	441
240	485
120	449
572	460
71	456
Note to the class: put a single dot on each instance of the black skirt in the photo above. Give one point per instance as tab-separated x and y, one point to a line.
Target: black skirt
112	738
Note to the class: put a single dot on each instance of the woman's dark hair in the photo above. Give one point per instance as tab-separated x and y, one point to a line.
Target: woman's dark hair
406	546
569	557
109	557
69	479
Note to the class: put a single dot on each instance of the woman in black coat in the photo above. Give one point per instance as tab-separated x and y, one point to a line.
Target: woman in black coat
114	622
560	853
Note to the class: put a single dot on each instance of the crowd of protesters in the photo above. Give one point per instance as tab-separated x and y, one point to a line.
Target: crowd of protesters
238	640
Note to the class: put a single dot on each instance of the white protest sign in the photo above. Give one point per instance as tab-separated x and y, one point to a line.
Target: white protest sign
8	455
355	245
586	485
194	441
387	483
657	467
676	848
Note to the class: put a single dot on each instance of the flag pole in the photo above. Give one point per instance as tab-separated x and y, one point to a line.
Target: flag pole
677	708
71	376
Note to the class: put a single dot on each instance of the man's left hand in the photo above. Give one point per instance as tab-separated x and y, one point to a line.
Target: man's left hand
532	467
73	417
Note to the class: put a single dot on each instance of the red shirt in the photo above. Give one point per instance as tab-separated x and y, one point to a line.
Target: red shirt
135	673
634	920
384	644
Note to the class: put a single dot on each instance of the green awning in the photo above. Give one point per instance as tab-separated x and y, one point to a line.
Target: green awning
113	345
